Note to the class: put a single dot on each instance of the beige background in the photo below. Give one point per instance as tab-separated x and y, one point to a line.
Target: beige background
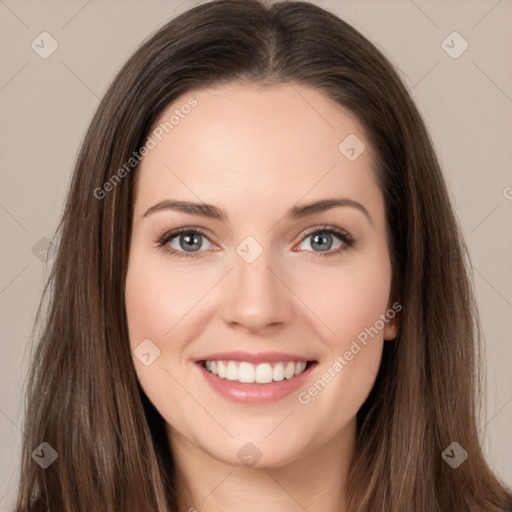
46	105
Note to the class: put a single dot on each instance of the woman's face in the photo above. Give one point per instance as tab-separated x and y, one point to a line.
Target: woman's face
258	284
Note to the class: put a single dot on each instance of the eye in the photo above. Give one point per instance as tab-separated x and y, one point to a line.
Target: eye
188	242
324	239
184	242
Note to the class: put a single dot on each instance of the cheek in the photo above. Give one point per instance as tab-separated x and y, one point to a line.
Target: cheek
348	299
157	299
159	296
352	303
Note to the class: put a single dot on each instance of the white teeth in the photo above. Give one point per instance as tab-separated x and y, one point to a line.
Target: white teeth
289	371
262	373
300	367
246	372
278	373
232	371
221	369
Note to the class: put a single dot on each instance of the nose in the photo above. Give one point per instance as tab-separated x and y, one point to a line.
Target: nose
256	297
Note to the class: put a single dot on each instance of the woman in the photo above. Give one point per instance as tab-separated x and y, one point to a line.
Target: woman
202	349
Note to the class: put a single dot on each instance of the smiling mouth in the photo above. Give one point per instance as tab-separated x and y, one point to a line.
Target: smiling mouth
262	373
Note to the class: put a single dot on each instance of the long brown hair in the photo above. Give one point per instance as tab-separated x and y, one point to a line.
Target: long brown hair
83	397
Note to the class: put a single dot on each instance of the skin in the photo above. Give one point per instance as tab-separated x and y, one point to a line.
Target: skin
256	152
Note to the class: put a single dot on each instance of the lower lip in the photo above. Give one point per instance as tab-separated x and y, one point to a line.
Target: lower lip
256	393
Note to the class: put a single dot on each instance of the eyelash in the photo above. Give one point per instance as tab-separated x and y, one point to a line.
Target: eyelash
347	239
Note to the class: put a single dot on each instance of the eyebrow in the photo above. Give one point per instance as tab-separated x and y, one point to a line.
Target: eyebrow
297	212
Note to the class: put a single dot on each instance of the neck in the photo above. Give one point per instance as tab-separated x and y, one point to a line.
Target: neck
312	481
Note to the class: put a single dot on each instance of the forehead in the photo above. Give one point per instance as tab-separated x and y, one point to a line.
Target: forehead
256	143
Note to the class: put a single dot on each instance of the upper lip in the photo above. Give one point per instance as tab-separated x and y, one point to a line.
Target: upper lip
261	357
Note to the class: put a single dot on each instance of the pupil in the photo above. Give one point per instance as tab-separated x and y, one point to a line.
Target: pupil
318	239
193	240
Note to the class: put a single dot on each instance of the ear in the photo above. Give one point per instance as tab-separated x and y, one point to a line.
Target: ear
392	327
390	330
